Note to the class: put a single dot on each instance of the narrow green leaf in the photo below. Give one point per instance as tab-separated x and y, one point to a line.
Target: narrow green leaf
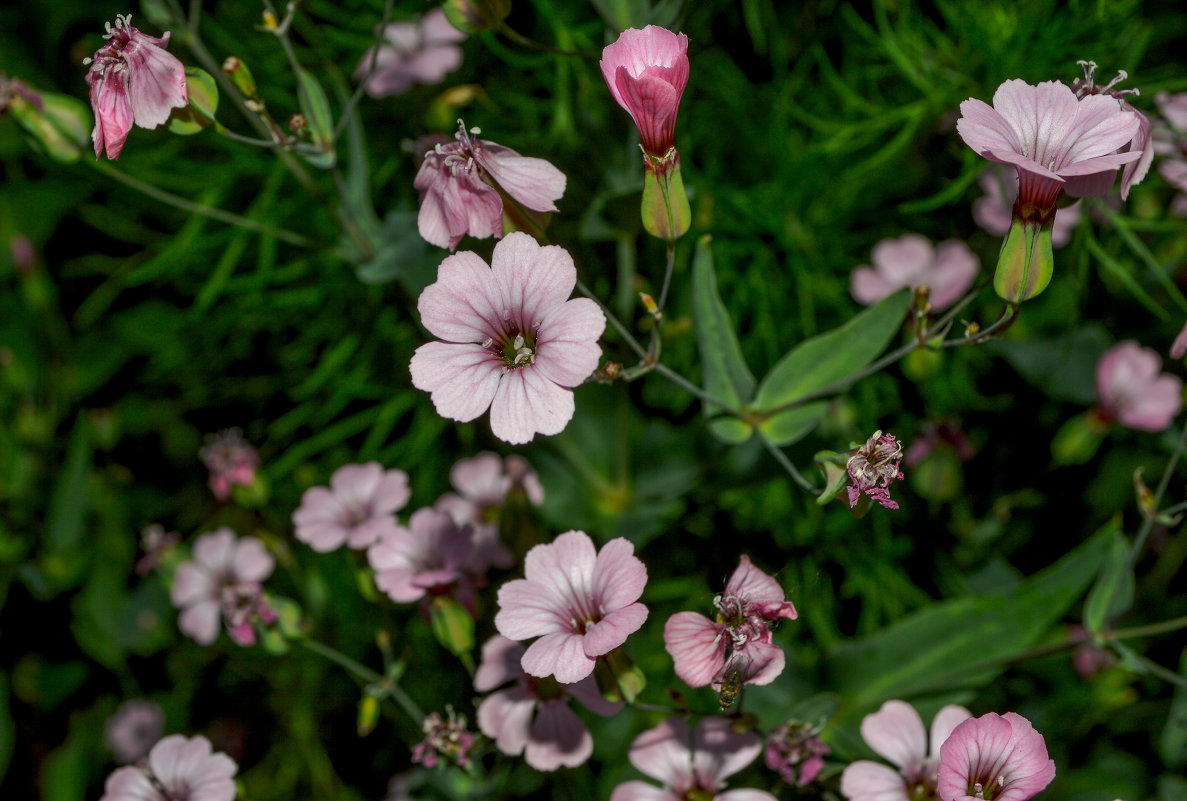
1112	595
793	424
316	109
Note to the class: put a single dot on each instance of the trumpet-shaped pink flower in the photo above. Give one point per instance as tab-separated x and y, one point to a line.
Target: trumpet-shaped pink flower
646	71
424	51
514	343
993	211
1132	392
691	764
133	80
428	557
356	509
1133	172
910	261
459	185
873	468
223	582
896	733
736	648
178	768
231	461
995	758
580	603
533	717
133	730
483	484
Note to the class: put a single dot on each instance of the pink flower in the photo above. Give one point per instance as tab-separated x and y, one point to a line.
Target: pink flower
428	557
646	71
996	758
796	753
896	733
911	261
736	649
939	434
483	484
178	767
1170	142
134	729
873	468
424	51
994	210
1135	171
1179	348
513	340
459	185
443	738
356	509
533	717
231	460
1131	391
222	582
580	603
691	765
132	80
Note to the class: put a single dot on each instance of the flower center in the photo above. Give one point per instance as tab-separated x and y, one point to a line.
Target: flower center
987	789
516	348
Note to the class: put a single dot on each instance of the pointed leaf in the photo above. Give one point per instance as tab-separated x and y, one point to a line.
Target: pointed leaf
1112	595
316	109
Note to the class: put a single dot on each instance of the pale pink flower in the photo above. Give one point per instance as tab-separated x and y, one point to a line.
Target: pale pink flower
231	460
911	261
796	753
483	484
1057	142
356	509
994	211
647	71
582	604
178	768
1170	142
424	51
222	583
427	558
134	729
444	737
533	717
459	185
737	647
132	80
1179	348
1132	392
873	468
996	758
691	764
1135	171
156	543
895	732
514	342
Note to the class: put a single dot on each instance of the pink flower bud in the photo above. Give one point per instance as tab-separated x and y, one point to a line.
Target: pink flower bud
646	71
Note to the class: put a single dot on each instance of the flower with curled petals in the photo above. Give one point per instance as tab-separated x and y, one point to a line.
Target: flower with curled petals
356	509
896	733
994	758
222	583
1131	390
513	340
691	764
947	270
647	71
178	768
582	604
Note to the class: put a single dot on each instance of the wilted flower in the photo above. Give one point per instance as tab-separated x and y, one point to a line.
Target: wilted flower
582	604
483	485
994	211
796	753
428	557
134	729
356	509
691	765
223	582
424	51
514	342
736	648
646	71
533	717
910	261
231	460
178	768
896	733
443	738
1132	392
873	468
1135	171
132	80
459	184
995	758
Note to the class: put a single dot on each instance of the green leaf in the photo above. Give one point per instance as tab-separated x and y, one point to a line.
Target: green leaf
202	92
1112	595
726	375
1172	746
316	109
789	426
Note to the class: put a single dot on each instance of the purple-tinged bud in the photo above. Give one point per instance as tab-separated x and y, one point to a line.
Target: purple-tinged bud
241	76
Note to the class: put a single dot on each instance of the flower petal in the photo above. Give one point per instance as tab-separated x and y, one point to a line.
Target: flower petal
464	303
462	379
567	349
527	404
896	733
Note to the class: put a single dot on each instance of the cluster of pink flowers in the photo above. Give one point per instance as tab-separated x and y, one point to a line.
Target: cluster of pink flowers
232	461
796	753
911	261
223	584
1132	392
420	52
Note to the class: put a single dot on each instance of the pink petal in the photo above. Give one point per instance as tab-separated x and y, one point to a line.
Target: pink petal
480	476
528	609
642	791
955	270
464	304
567	342
903	261
113	113
200	621
565	566
560	655
252	560
190	585
697	647
896	733
462	379
663	753
636	50
753	584
618	575
984	129
433	220
215	550
532	280
744	794
534	183
506	717
946	720
500	663
720	751
477	203
525	404
586	691
613	629
156	85
1101	128
1156	407
558	738
868	287
869	781
766	662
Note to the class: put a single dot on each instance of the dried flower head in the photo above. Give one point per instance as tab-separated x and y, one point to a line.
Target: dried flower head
873	468
445	738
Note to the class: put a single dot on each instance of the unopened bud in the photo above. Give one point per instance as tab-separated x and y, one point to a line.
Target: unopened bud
270	22
298	123
475	16
665	211
648	303
55	124
368	714
1145	498
241	76
1025	264
611	370
971	329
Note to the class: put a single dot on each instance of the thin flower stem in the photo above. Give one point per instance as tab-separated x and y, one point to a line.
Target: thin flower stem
613	320
520	39
1149	630
195	15
782	459
1174	510
671	263
206	211
696	391
1009	314
366	674
1158	670
348	109
1148	523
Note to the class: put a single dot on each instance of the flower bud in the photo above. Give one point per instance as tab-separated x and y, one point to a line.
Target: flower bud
1025	264
475	16
666	213
241	76
618	678
452	625
1078	439
55	124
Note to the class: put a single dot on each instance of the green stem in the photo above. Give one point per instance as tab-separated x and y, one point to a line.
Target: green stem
627	336
1161	672
1148	522
358	92
1150	629
782	459
520	39
367	675
696	391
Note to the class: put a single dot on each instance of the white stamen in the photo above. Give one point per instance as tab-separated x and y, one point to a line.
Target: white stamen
475	130
486	343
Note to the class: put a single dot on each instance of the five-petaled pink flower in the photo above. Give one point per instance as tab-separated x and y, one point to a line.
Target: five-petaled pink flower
356	509
994	211
1133	172
223	582
459	185
178	768
994	758
533	717
514	342
133	80
736	648
427	558
646	71
691	764
231	460
1132	392
424	51
484	483
896	733
873	468
947	270
582	604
